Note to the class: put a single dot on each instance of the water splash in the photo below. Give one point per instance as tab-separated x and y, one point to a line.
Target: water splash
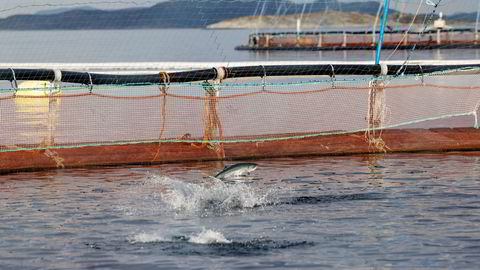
209	237
212	196
205	237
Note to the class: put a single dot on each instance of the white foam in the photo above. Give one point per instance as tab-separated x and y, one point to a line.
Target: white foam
203	238
209	237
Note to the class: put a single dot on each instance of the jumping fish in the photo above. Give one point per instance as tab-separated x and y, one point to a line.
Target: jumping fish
236	170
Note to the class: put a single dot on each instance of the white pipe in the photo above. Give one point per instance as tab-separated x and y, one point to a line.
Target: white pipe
298	26
476	23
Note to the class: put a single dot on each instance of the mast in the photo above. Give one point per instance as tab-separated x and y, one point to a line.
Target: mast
382	30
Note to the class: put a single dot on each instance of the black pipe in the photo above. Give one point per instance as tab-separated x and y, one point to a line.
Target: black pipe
27	74
231	72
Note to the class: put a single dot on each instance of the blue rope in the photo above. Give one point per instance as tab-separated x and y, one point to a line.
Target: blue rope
382	31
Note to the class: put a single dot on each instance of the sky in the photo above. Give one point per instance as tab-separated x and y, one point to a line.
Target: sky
10	7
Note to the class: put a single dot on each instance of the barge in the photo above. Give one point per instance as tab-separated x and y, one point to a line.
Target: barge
363	40
439	36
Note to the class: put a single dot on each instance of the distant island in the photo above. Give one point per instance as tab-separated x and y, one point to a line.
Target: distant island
312	20
207	14
324	19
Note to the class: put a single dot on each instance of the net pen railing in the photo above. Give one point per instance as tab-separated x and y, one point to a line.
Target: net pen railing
46	109
222	73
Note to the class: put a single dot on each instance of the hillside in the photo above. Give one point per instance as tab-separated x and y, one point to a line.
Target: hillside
330	19
313	20
169	14
198	14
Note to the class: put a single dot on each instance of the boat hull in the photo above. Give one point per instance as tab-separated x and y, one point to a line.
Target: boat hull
360	47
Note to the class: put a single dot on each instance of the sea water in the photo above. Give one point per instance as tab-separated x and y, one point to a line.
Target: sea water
384	211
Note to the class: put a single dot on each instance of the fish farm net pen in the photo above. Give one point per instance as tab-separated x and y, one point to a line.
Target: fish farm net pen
142	82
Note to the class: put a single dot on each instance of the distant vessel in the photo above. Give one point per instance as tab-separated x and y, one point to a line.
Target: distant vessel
439	35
